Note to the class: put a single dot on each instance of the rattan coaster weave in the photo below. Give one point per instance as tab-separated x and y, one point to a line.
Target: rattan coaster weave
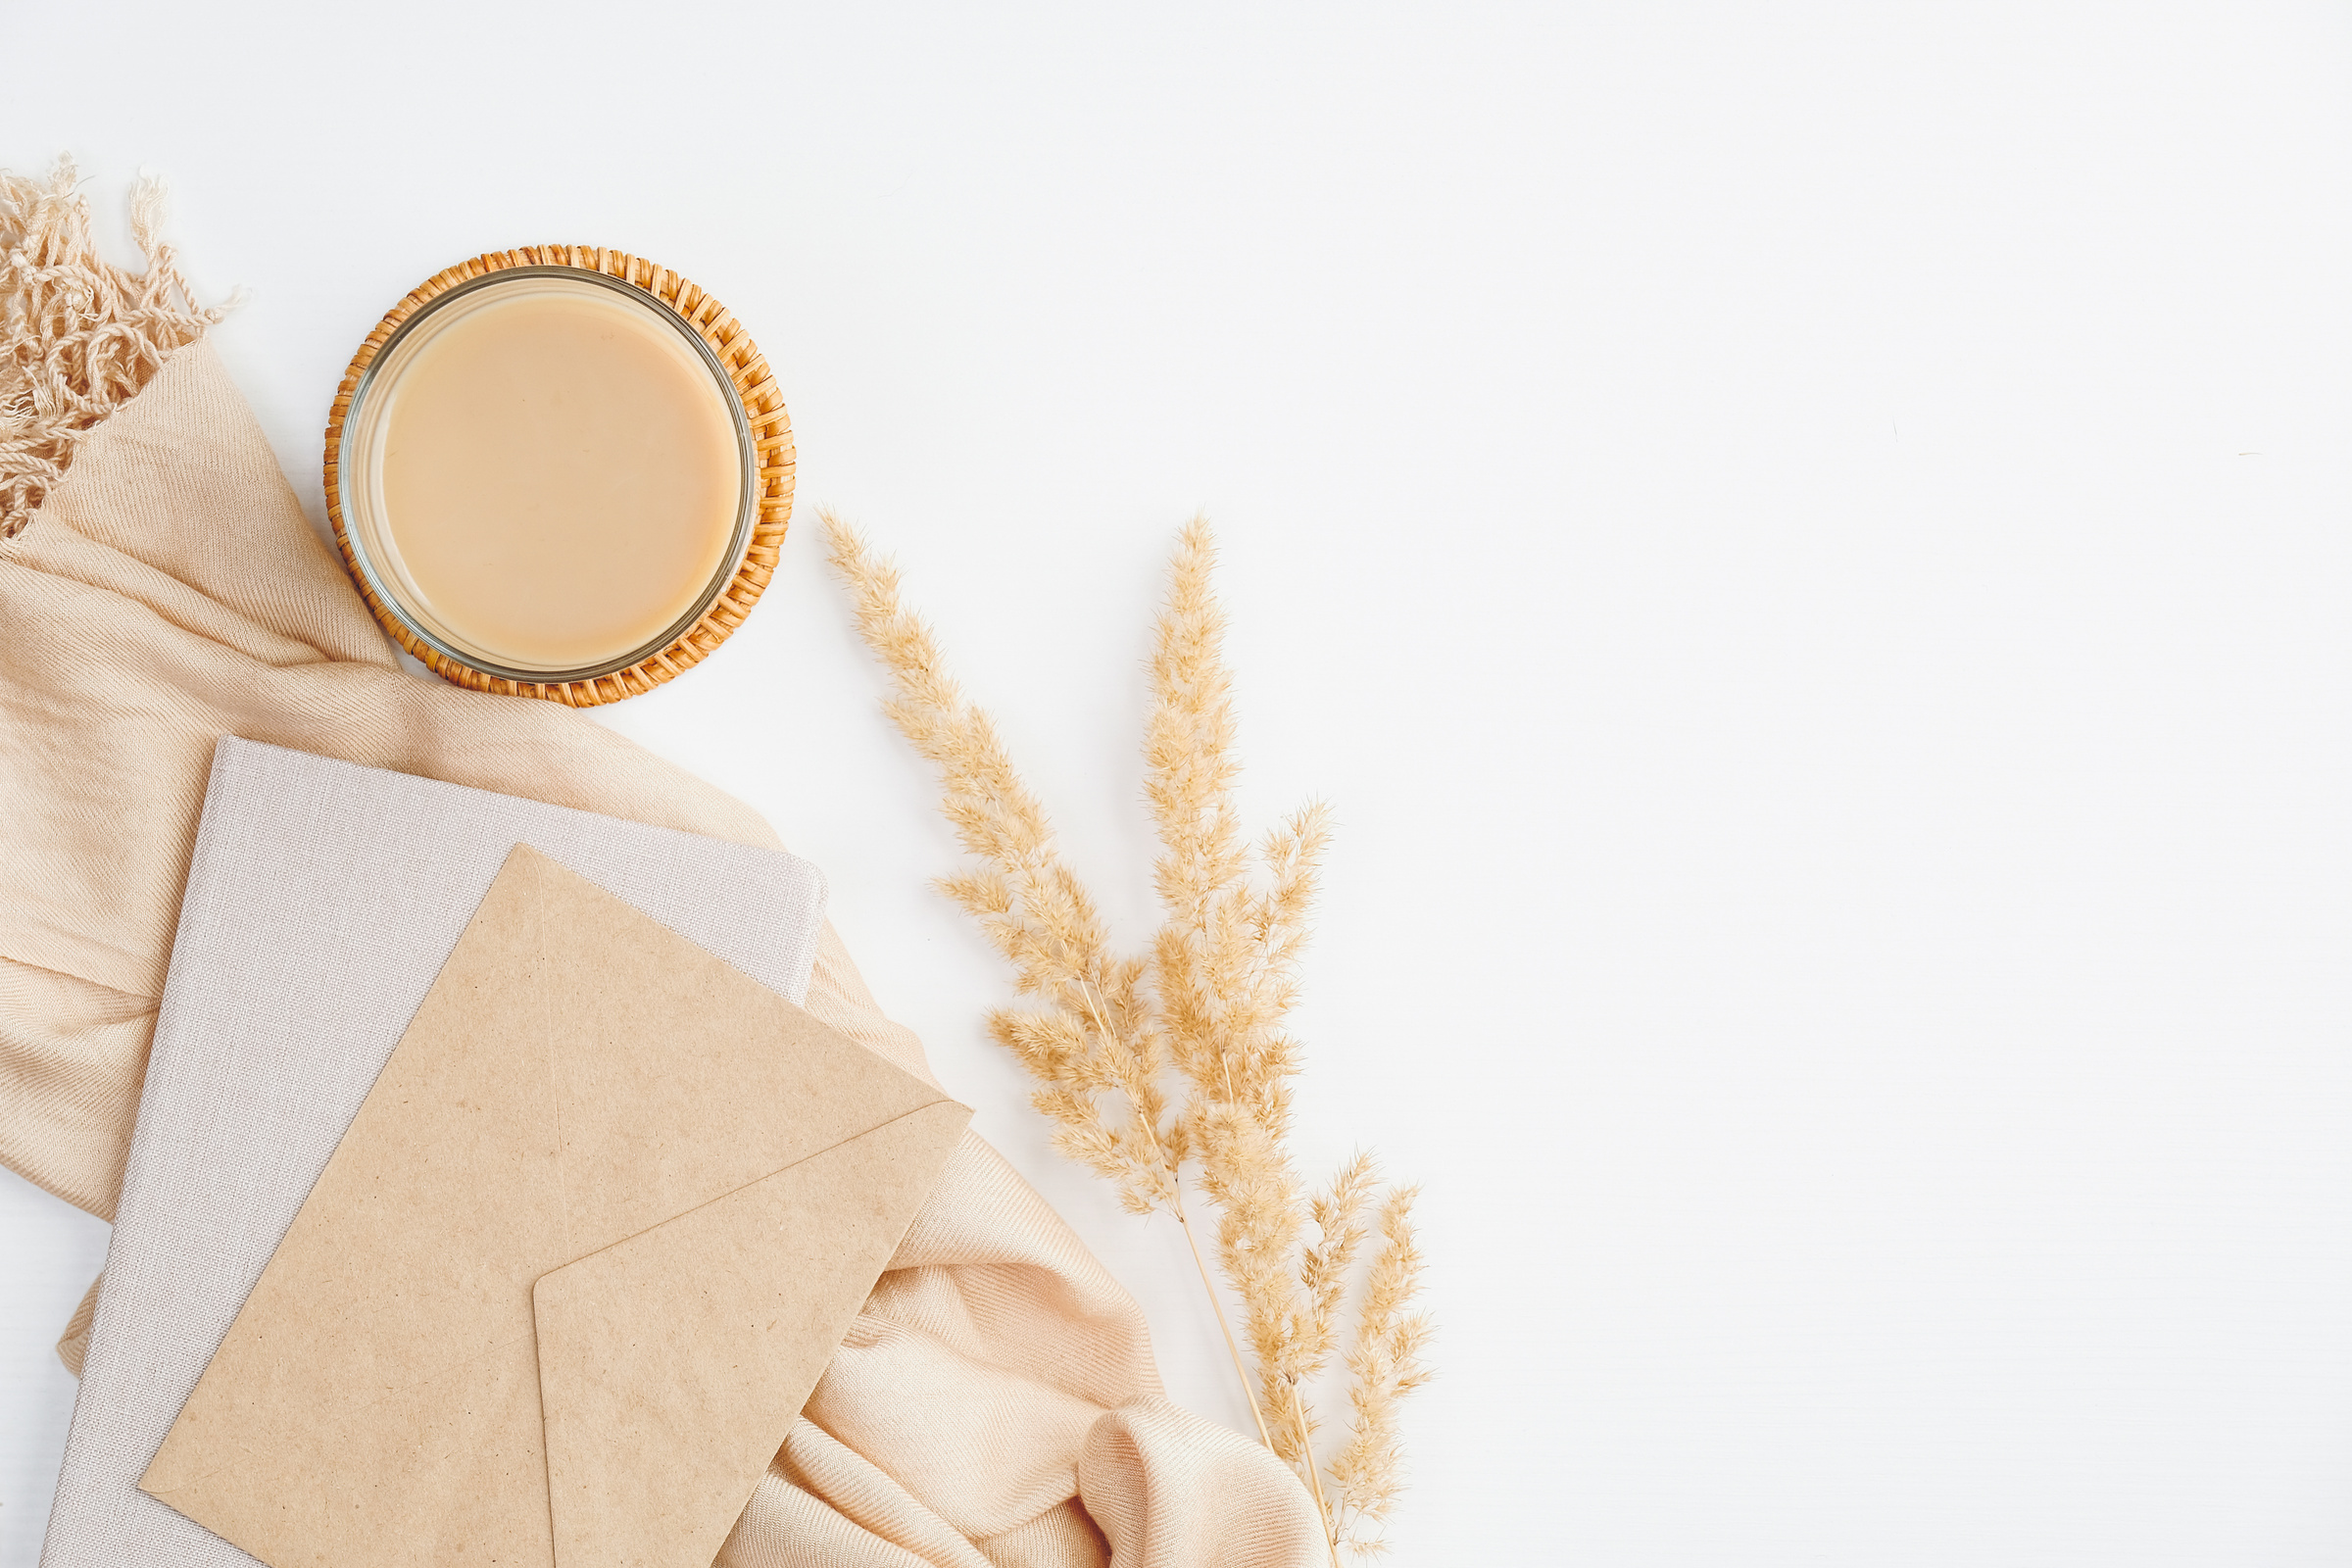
772	488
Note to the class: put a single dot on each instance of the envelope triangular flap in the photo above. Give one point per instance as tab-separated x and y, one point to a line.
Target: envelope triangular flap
668	1063
671	1365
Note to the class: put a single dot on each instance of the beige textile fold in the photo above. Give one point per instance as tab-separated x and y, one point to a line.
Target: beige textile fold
995	1403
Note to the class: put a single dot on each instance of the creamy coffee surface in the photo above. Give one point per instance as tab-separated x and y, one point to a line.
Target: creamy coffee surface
560	477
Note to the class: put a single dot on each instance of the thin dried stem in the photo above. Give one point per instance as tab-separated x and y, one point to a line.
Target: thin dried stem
1216	1298
1233	1346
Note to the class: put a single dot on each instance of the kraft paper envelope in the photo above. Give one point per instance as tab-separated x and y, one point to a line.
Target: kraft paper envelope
567	1282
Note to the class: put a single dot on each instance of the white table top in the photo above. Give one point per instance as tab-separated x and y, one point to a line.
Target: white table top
1809	553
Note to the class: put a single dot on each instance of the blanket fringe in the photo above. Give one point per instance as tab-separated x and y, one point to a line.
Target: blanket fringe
78	336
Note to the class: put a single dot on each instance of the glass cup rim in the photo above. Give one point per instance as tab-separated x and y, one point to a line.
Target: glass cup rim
354	503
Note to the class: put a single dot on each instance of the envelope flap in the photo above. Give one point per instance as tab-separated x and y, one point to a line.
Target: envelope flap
671	1365
675	1078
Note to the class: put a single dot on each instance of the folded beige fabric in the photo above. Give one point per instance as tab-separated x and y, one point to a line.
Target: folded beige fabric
995	1403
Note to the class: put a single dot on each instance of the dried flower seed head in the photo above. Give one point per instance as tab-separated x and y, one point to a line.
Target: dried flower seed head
1202	1011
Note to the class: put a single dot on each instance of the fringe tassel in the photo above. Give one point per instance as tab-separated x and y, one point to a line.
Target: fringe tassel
78	336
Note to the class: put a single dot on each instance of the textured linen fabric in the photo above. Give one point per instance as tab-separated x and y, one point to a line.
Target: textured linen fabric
169	593
323	900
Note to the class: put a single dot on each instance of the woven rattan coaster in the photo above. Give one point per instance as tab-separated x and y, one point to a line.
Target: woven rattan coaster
754	388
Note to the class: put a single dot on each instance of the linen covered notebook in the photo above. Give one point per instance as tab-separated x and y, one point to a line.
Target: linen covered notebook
323	900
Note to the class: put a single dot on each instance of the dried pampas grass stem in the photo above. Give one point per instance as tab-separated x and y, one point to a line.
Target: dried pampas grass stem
1172	1068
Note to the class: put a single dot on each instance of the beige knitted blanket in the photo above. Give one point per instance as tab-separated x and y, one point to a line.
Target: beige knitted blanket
995	1403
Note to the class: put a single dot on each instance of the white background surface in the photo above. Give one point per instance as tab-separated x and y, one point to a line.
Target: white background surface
1807	545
